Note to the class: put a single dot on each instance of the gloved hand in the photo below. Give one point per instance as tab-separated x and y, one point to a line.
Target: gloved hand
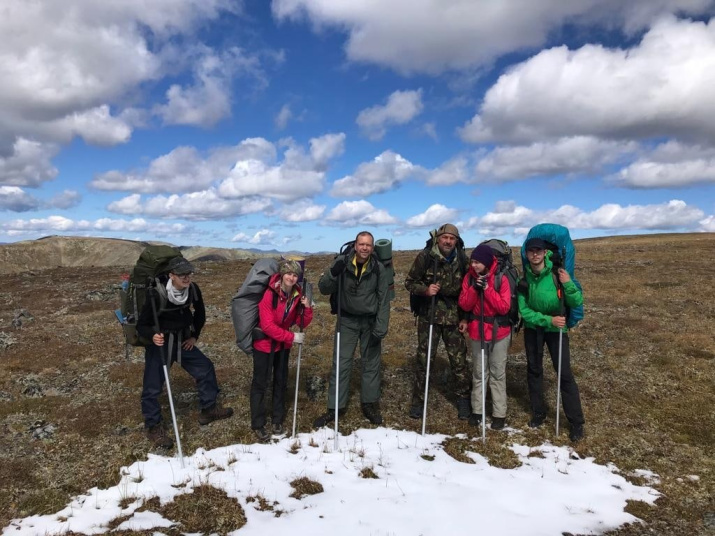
298	338
338	267
479	283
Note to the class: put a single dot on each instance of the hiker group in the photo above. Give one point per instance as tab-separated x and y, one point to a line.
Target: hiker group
452	296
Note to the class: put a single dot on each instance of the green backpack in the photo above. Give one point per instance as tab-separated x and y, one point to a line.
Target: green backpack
152	263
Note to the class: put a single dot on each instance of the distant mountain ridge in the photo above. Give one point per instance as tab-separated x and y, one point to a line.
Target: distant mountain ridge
67	251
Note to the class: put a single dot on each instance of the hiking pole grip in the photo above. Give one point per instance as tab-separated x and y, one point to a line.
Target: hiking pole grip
429	348
166	378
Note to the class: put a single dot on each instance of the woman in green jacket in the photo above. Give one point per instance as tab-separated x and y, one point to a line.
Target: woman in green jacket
543	310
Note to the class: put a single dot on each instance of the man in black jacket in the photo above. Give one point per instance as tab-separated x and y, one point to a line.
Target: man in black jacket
178	331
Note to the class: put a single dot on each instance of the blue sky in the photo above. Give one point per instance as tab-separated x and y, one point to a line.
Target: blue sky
293	124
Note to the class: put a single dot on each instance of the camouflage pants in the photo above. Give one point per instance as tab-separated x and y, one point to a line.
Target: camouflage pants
456	348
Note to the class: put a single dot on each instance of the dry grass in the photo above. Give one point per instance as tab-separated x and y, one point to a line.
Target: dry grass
643	358
305	486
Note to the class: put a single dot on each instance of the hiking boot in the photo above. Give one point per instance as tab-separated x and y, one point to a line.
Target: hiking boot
157	435
262	435
326	418
475	419
537	420
277	429
416	410
576	433
372	411
214	413
498	423
464	409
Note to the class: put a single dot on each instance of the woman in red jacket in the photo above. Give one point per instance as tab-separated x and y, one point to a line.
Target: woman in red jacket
496	331
283	305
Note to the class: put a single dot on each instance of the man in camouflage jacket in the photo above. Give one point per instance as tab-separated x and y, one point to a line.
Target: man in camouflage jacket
437	271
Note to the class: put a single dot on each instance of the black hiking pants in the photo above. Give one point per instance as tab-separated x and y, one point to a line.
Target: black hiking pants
267	369
534	340
193	361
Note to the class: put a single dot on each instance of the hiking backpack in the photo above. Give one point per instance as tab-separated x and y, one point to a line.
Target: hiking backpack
244	304
558	241
152	263
505	268
417	302
382	254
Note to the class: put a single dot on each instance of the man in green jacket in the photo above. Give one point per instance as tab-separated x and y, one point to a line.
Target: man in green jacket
364	318
542	307
438	272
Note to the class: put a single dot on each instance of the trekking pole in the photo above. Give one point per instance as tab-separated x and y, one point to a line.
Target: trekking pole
429	349
297	373
337	359
168	384
484	387
562	312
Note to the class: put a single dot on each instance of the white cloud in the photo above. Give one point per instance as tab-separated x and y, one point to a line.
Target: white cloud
16	199
283	117
351	213
64	64
661	87
196	206
384	173
264	237
60	224
253	177
451	172
29	164
208	99
65	200
434	216
670	165
572	155
302	211
325	148
427	36
401	108
671	216
707	225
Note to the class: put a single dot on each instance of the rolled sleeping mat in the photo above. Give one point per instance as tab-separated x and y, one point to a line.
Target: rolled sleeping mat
383	249
300	260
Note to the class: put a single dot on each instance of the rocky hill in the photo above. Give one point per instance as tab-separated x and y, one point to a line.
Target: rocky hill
71	251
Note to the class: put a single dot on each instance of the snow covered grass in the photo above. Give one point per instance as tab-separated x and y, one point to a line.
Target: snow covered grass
414	487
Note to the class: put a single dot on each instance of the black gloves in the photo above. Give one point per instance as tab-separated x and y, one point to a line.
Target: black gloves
338	267
479	283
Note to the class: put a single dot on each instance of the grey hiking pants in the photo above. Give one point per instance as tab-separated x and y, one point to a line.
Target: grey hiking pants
354	330
494	375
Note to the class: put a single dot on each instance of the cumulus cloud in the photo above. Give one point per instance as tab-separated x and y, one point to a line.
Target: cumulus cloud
572	155
658	88
384	173
352	213
434	216
675	215
60	224
283	117
453	171
670	165
301	211
56	79
325	148
65	200
29	164
16	199
197	206
401	108
264	237
707	225
425	36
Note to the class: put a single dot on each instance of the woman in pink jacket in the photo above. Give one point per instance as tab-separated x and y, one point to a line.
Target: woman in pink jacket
495	331
283	305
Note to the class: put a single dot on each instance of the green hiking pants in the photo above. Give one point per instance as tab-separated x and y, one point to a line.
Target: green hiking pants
354	330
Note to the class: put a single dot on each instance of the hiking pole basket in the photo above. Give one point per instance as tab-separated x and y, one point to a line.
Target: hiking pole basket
429	349
166	379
